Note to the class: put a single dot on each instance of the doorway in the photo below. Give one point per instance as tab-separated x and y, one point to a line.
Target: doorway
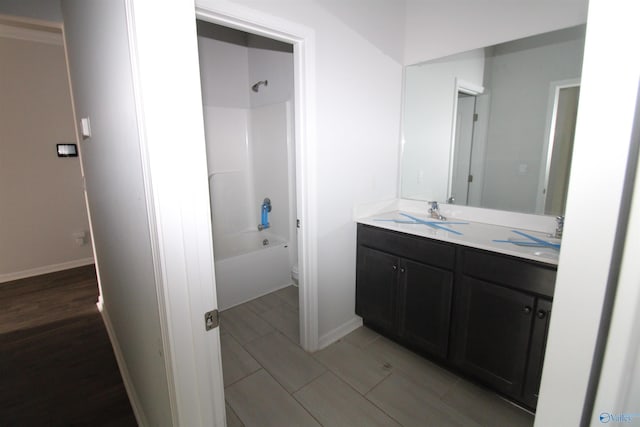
463	146
247	94
303	147
559	146
468	144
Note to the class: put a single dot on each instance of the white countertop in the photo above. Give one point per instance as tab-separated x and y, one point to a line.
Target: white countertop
474	234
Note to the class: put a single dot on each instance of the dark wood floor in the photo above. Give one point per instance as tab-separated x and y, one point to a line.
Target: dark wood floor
57	366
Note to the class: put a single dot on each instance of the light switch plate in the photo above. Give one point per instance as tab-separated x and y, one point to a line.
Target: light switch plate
85	127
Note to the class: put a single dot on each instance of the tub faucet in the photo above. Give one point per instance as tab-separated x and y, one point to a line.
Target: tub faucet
434	211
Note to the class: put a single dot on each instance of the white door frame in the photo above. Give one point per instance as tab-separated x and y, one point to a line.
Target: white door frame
303	41
166	73
547	146
469	88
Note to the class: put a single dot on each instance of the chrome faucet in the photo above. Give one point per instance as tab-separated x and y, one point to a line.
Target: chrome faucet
559	227
434	211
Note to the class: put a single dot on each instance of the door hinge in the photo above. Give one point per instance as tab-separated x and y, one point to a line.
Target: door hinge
297	223
211	320
475	117
470	178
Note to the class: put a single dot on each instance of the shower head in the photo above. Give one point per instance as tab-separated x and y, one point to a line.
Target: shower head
256	87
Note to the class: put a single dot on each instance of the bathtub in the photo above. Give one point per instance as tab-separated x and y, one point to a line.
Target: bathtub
246	268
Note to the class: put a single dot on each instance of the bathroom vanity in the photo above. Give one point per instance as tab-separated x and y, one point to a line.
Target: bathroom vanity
478	307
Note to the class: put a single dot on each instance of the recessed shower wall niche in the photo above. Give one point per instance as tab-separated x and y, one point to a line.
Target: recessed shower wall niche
247	89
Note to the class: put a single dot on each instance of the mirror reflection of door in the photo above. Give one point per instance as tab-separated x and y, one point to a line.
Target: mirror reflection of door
566	110
462	179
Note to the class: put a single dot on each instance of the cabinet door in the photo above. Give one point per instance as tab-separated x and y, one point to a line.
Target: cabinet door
376	279
493	326
424	296
536	354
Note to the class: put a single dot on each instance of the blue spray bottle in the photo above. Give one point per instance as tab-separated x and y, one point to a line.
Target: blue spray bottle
266	208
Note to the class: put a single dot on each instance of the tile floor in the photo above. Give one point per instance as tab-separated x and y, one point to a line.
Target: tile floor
363	379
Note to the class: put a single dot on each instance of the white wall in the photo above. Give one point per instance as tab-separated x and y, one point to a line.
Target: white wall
268	142
247	131
224	71
357	111
42	200
225	83
519	76
437	29
230	181
588	258
98	47
273	61
269	61
429	103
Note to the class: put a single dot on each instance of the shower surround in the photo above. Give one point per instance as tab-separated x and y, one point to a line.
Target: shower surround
248	152
247	88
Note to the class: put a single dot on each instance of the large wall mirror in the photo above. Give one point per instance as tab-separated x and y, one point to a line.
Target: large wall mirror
494	127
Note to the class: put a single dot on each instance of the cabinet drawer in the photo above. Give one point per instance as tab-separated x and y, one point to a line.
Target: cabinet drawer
416	248
527	276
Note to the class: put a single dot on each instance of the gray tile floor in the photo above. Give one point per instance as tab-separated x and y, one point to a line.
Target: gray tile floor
363	379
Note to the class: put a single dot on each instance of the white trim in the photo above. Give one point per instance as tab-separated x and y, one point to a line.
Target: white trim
339	332
469	88
619	386
8	277
178	200
30	34
303	40
122	366
77	140
549	132
598	172
403	114
154	231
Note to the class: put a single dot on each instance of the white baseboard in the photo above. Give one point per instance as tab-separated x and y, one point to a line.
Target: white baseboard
339	332
7	277
124	372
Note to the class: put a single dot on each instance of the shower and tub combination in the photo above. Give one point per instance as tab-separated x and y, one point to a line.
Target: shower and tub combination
252	233
251	164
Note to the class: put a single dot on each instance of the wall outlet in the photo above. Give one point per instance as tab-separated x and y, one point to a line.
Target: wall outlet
80	238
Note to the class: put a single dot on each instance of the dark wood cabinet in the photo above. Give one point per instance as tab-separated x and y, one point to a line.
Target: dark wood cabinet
502	308
536	354
407	299
492	330
376	291
424	305
482	314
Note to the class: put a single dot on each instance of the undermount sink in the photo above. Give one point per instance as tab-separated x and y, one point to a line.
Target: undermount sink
528	240
551	254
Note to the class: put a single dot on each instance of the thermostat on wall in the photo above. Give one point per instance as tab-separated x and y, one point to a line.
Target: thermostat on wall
67	150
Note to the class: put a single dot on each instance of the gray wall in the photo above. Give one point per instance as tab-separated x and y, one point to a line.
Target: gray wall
41	196
100	66
48	10
519	75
